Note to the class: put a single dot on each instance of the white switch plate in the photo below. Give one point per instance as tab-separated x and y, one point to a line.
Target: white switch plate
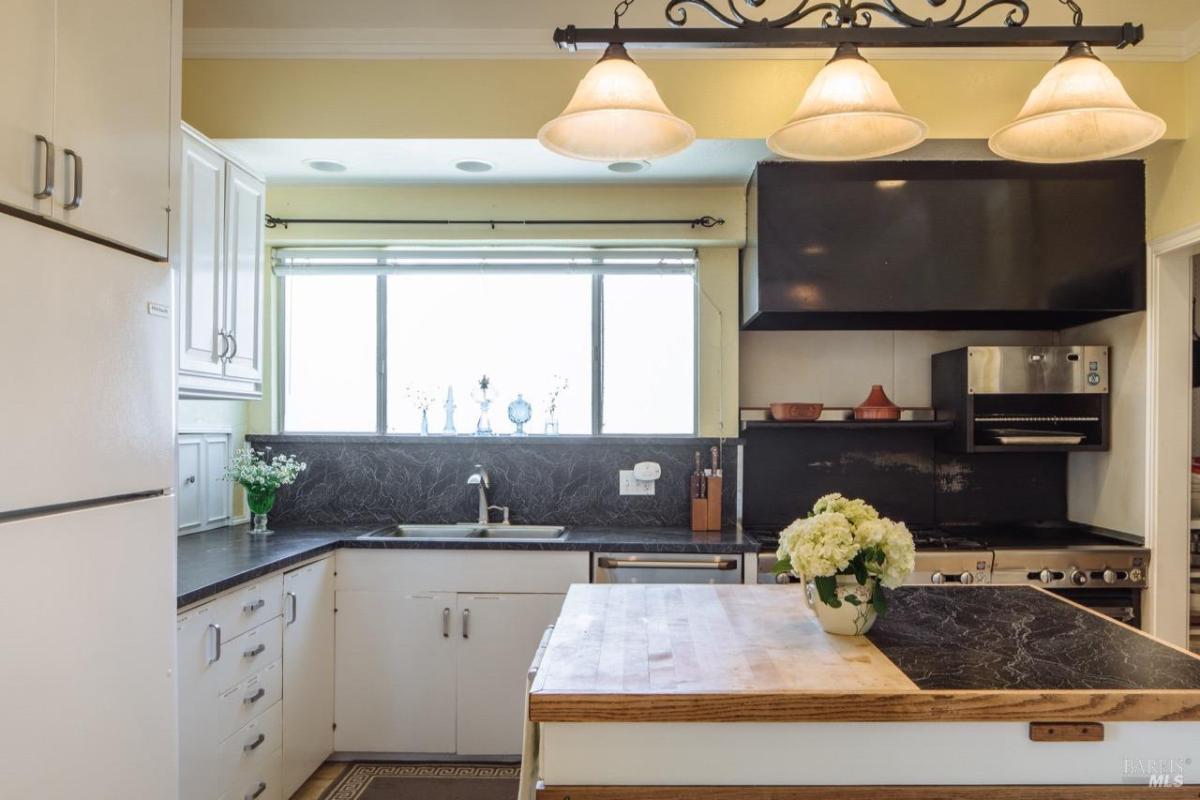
631	485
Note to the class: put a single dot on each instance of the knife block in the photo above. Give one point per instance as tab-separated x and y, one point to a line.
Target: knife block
706	511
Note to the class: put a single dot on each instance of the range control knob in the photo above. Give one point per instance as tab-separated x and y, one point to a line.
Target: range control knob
966	578
1110	576
1136	575
783	577
937	578
1078	577
1046	576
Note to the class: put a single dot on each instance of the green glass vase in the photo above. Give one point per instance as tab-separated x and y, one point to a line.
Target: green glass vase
260	501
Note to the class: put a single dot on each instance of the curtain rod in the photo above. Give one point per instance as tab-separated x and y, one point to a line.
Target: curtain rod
706	221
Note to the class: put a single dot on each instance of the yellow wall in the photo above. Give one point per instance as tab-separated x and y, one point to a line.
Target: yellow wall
1174	167
726	99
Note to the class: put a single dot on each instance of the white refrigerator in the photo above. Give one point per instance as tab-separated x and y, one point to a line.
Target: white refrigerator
87	519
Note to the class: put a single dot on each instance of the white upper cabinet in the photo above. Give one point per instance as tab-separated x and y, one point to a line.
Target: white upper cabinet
245	207
86	129
27	97
201	234
221	274
112	121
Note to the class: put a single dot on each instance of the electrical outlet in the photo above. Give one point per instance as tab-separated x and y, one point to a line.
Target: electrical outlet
631	485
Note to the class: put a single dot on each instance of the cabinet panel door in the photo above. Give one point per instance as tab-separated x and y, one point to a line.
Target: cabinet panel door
395	672
191	482
27	97
202	214
493	664
245	205
199	675
218	492
112	106
308	654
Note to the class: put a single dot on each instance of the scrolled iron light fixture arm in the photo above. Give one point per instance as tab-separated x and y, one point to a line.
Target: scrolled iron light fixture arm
849	22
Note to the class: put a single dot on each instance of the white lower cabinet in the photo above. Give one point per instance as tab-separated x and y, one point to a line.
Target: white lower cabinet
441	669
307	671
502	632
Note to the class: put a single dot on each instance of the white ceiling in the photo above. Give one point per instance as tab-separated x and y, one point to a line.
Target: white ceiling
431	161
522	28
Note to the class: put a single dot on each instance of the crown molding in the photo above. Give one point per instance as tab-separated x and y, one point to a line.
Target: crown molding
528	43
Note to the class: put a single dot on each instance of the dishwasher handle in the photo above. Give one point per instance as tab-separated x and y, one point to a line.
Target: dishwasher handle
724	565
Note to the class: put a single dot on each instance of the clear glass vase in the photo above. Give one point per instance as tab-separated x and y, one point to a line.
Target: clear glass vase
260	502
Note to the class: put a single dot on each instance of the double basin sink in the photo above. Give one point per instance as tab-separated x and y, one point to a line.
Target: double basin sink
498	533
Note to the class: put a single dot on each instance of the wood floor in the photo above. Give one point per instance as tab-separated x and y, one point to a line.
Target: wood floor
321	780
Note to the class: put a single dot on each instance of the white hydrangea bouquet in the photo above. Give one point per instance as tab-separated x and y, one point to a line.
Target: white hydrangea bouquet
261	475
845	550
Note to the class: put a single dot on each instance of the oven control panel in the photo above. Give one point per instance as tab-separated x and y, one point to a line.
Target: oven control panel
1086	568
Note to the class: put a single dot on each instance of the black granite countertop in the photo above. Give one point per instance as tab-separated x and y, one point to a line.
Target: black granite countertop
1013	638
220	559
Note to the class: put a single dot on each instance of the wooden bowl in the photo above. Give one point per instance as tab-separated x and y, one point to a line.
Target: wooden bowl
796	412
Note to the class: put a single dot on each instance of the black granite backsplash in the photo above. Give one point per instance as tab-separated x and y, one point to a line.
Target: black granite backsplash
561	480
901	473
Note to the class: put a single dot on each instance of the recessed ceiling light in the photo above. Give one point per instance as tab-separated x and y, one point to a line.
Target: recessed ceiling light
324	165
475	165
628	167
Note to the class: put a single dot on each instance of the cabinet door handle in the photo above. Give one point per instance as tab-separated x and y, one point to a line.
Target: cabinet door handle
48	168
466	623
257	651
291	596
233	347
77	183
250	608
224	344
249	748
254	698
216	631
445	623
262	787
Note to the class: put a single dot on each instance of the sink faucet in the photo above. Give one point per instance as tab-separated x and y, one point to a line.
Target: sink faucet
480	478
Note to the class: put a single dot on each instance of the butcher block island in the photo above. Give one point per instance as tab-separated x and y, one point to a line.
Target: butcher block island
666	691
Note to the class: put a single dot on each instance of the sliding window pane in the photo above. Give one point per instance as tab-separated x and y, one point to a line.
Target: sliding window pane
330	351
649	376
526	332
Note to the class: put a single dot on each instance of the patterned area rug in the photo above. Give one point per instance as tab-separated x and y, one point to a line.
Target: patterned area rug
400	781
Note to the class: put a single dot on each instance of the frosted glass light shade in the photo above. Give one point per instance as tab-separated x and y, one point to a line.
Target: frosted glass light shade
616	114
848	113
1079	112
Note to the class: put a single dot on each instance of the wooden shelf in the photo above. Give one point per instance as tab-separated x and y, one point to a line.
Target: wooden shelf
848	424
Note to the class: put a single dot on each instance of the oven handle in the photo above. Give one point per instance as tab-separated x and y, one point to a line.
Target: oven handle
630	563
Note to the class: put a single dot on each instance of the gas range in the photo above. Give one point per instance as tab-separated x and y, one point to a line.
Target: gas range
1055	555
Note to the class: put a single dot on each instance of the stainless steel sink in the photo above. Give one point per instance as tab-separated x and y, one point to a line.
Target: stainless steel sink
521	532
425	532
467	531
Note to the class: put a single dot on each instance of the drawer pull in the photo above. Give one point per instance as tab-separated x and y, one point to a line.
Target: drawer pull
250	608
262	787
254	698
255	651
262	737
445	623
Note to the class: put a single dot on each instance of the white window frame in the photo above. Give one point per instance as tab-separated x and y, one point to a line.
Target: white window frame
383	262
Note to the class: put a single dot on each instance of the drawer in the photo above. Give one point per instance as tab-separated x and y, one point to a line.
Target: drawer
250	653
264	782
248	607
246	755
239	706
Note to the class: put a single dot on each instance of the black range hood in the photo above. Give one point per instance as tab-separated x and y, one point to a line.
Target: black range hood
950	245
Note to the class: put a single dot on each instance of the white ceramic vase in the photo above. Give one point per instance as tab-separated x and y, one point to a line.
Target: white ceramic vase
848	619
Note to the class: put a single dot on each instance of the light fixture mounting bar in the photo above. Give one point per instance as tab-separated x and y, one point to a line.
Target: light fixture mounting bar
1118	36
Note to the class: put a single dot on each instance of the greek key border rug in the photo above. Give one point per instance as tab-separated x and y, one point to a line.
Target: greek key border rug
442	781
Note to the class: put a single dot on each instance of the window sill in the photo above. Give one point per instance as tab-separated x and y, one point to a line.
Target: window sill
498	440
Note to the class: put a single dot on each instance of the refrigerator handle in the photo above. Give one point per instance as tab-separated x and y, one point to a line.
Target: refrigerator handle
216	630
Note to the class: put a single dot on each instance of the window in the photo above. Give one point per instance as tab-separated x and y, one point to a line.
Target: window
369	336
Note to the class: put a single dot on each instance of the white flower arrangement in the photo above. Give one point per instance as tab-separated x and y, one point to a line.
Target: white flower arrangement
844	536
421	398
259	472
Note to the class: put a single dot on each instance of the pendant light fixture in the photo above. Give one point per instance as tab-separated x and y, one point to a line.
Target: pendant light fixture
848	113
616	114
1079	112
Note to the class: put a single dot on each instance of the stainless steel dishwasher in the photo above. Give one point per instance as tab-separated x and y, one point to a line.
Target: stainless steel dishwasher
666	568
